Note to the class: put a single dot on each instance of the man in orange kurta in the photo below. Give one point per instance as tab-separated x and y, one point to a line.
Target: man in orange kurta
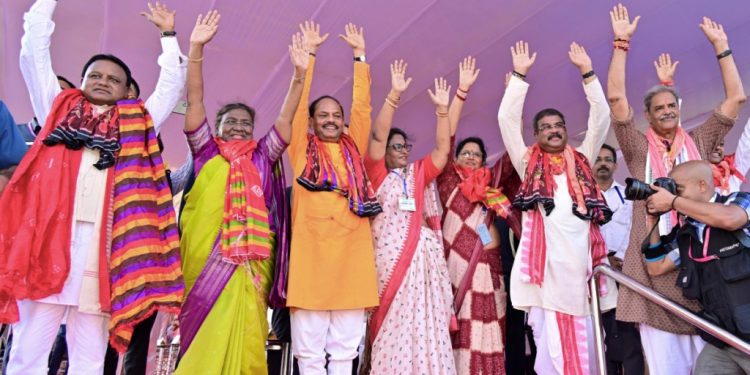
332	276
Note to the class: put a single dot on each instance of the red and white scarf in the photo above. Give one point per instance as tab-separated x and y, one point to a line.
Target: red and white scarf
723	172
663	155
538	187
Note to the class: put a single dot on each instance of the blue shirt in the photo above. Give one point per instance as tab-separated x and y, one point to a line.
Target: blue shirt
12	145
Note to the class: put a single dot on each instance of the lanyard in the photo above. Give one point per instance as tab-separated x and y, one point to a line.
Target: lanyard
705	257
617	189
403	179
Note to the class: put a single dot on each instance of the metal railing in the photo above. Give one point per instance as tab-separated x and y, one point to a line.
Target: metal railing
656	298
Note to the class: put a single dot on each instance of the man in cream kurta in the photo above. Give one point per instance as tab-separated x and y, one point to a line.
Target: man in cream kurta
78	303
568	255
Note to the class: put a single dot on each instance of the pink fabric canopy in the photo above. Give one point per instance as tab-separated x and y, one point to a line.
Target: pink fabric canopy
248	60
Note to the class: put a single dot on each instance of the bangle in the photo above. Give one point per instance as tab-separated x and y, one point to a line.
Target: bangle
667	83
441	114
312	54
391	103
674	199
461	98
724	54
195	60
463	91
621	44
588	74
519	75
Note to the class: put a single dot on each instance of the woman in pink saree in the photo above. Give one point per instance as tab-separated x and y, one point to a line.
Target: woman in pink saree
409	331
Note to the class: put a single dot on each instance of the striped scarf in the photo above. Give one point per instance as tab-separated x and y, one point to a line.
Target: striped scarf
138	227
145	269
245	234
320	175
538	188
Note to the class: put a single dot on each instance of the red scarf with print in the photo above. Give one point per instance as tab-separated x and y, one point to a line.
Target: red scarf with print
538	188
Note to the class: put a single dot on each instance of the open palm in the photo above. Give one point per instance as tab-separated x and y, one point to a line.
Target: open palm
205	28
399	82
441	96
311	33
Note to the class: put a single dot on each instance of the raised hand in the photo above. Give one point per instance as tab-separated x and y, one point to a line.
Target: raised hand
522	62
355	38
205	28
621	25
580	58
441	96
399	83
299	54
467	73
714	33
160	16
665	68
311	33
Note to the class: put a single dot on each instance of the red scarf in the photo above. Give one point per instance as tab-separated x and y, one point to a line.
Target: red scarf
475	186
320	175
538	187
723	171
245	233
35	245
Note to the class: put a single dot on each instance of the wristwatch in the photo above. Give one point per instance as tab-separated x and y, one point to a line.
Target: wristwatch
360	58
168	33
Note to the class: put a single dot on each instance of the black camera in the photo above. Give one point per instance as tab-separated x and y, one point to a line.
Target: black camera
636	190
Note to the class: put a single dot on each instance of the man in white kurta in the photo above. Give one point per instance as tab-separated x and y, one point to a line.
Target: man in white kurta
568	254
78	303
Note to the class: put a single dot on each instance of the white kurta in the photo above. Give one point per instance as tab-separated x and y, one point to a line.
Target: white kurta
616	233
43	87
568	263
741	161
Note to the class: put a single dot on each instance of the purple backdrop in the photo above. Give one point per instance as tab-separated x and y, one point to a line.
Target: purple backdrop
248	61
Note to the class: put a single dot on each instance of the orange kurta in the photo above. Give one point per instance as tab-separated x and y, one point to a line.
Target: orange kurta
332	264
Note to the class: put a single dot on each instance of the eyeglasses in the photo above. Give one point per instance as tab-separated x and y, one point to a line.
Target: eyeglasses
557	125
471	154
398	147
234	122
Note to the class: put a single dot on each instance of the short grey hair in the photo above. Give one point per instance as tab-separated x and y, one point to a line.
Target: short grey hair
658	89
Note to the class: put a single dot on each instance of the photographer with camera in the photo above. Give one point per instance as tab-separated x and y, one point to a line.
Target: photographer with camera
669	344
711	247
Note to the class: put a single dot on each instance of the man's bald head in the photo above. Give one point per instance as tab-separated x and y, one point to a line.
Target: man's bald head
694	179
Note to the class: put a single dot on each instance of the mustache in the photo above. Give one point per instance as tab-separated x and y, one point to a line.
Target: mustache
603	168
668	116
553	135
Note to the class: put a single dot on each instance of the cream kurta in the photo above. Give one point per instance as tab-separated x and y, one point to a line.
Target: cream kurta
568	263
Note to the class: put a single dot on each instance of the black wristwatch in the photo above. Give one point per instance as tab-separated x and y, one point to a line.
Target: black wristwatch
360	58
168	33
